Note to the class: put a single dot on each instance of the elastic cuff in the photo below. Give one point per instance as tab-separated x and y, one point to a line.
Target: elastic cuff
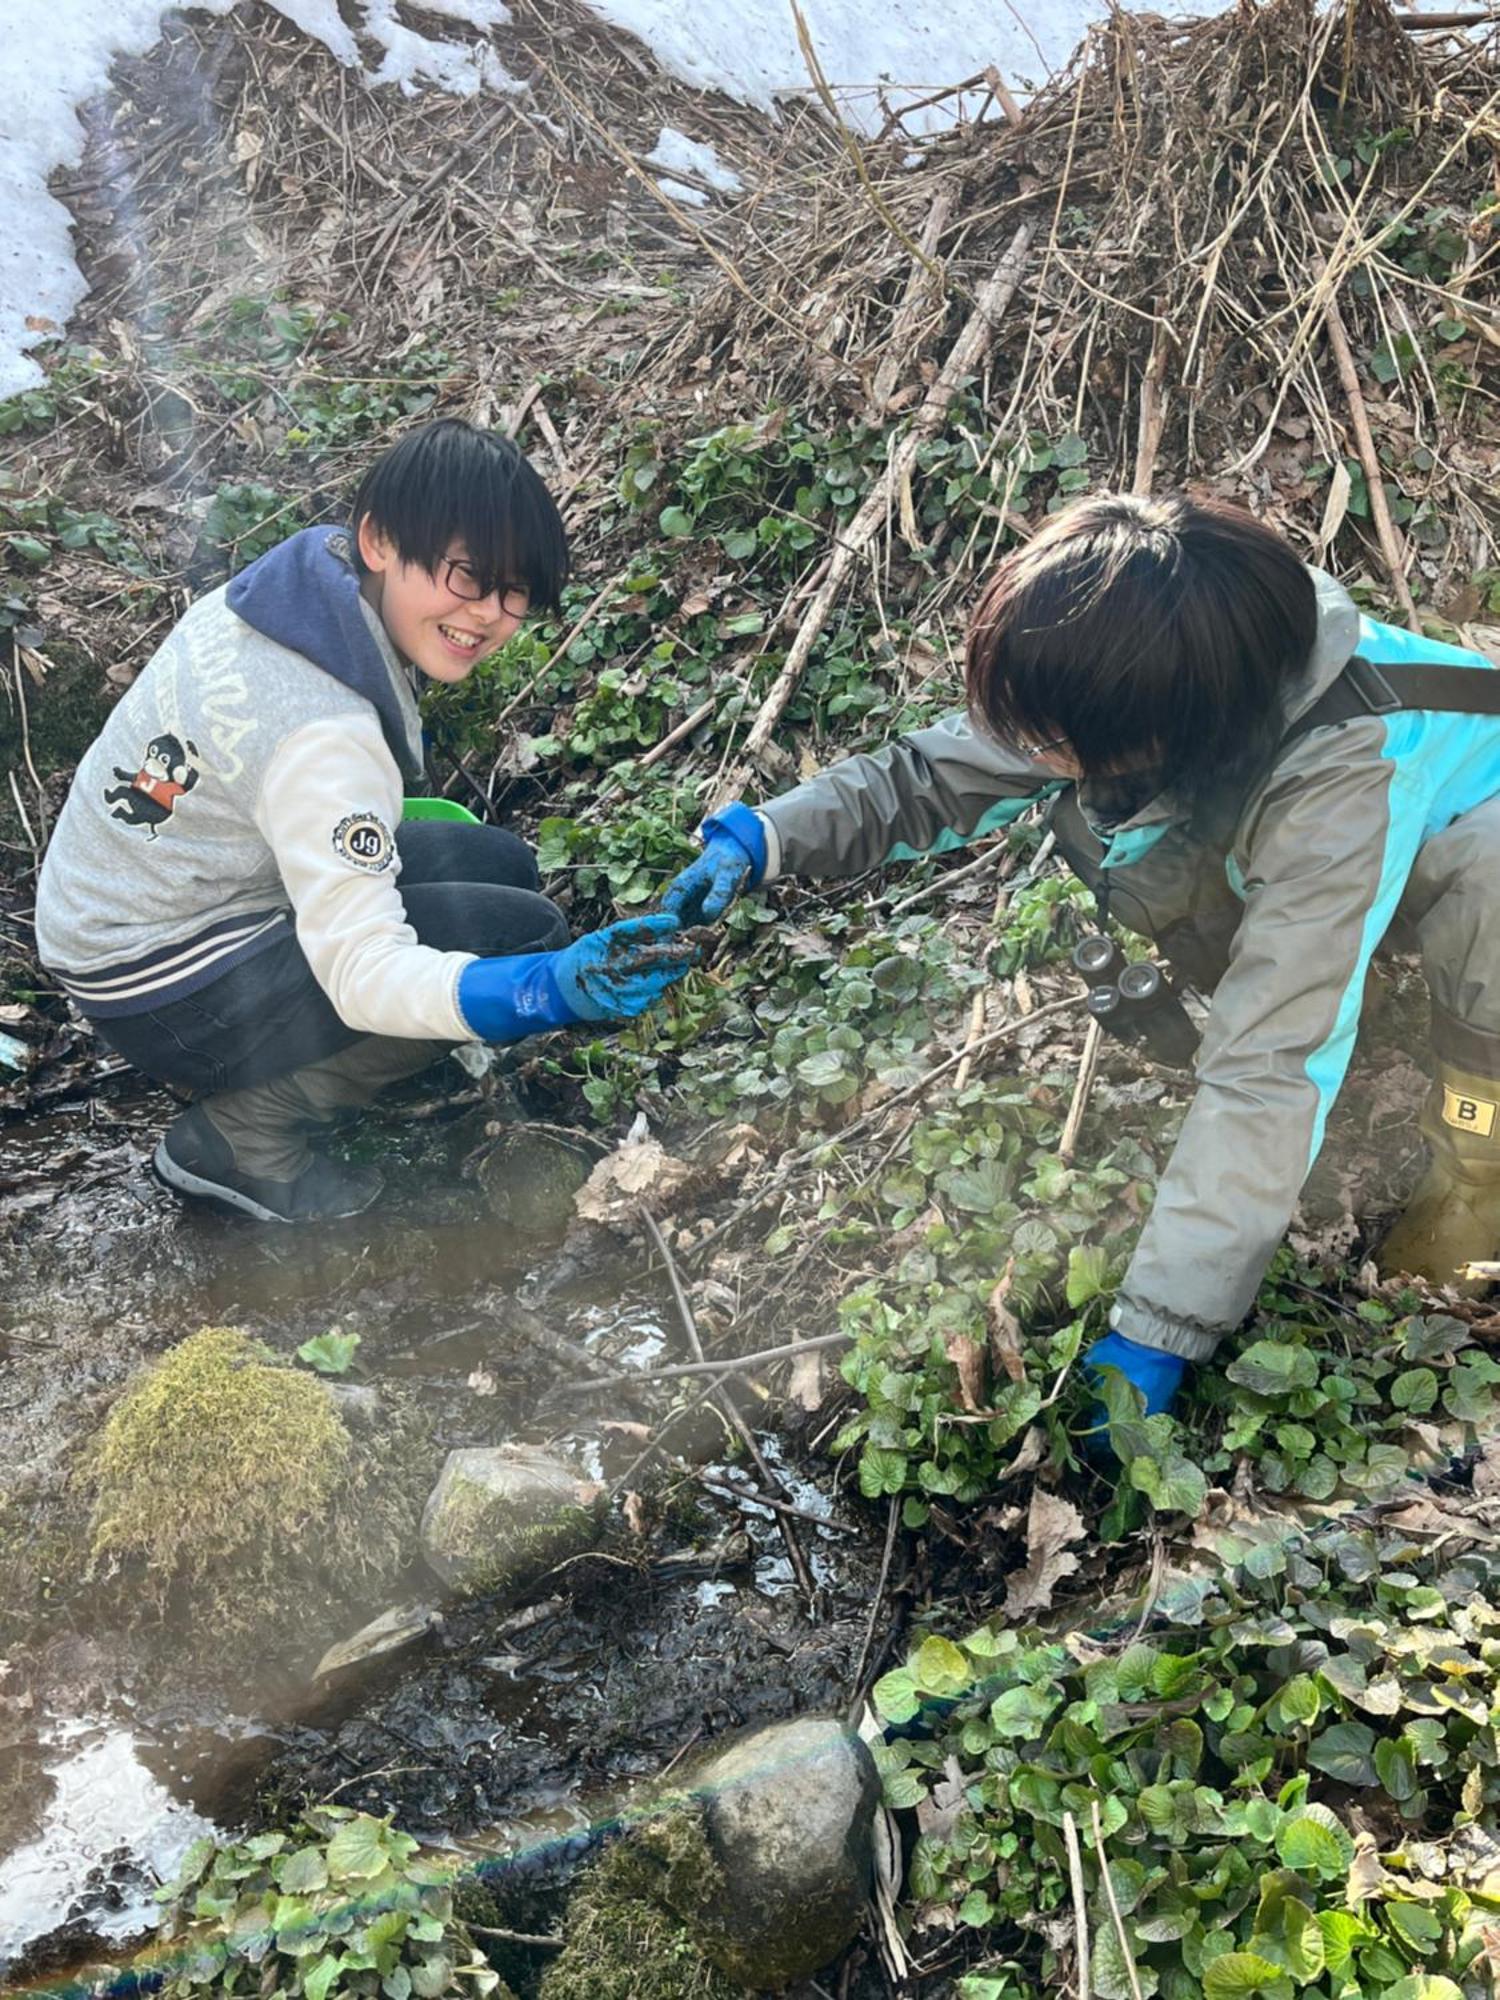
773	850
744	826
1185	1338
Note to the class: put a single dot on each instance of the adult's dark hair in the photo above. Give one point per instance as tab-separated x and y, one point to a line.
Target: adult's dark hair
1146	634
452	482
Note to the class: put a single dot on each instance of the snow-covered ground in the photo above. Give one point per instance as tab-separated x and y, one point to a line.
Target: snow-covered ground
55	56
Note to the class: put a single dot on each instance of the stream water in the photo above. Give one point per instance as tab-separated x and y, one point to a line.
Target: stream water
515	1734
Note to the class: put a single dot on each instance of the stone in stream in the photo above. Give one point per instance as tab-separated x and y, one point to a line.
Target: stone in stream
530	1175
788	1812
757	1877
501	1516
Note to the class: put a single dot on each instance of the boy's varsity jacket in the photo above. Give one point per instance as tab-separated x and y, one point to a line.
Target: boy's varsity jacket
251	779
1312	863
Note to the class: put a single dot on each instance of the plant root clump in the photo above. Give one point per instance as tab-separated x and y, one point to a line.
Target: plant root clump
624	1940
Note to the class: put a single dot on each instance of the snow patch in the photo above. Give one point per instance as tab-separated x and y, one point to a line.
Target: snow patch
680	191
679	154
55	55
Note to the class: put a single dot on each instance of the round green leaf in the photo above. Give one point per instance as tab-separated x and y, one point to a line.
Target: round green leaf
1315	1843
1346	1752
358	1850
297	1873
1239	1974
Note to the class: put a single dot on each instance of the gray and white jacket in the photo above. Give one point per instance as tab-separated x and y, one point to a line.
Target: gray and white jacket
251	780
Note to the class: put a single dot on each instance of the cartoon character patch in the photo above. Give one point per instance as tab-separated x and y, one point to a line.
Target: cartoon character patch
148	797
364	841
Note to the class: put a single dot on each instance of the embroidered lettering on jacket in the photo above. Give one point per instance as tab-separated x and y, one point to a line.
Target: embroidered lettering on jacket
364	841
148	797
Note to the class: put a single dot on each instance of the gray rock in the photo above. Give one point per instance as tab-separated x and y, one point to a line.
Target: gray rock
501	1516
358	1403
530	1175
788	1812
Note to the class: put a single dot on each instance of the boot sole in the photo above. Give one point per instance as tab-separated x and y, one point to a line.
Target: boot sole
229	1200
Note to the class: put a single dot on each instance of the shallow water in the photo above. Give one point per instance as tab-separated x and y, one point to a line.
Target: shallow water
512	1740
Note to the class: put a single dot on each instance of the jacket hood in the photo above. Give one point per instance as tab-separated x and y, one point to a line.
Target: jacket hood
304	594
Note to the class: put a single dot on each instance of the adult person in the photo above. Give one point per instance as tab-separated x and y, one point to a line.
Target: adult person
1265	781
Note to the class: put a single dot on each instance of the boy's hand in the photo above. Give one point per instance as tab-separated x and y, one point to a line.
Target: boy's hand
734	855
622	970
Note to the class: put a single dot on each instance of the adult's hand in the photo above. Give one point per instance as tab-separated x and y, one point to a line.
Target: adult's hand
733	858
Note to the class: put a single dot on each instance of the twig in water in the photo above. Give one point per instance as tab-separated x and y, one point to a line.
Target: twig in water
739	1365
733	1491
533	1940
732	1416
893	1514
1080	1907
1114	1906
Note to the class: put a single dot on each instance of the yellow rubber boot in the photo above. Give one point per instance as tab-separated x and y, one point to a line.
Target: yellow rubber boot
1454	1216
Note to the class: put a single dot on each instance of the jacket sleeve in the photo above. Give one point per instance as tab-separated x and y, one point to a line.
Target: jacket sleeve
926	793
1324	866
328	809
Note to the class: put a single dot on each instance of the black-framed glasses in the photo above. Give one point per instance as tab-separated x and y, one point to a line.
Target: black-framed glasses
515	598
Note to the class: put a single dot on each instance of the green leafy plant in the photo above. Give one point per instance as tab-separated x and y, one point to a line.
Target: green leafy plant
1233	1759
340	1905
330	1353
245	519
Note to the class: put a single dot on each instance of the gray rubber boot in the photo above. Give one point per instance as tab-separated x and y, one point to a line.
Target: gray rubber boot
247	1151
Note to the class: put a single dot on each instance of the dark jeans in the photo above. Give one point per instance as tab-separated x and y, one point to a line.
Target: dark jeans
466	888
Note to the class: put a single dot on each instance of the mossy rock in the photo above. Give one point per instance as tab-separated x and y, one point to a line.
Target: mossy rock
623	1940
501	1516
227	1488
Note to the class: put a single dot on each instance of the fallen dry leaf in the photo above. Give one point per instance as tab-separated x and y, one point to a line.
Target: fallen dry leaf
633	1507
1050	1526
967	1356
1005	1328
641	1170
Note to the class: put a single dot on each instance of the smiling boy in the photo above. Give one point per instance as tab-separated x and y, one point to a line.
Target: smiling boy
229	895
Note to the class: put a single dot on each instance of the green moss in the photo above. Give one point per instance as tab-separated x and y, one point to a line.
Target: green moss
623	1941
225	1486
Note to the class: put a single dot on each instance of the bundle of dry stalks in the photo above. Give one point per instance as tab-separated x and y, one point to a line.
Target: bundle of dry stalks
1228	225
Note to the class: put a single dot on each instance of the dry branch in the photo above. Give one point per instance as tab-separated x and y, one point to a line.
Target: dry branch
1369	458
965	356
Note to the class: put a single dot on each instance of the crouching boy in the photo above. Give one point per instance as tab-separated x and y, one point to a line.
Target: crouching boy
229	894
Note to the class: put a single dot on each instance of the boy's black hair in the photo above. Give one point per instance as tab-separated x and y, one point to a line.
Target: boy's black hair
1151	635
452	482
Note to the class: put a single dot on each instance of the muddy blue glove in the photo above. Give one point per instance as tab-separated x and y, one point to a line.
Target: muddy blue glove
1156	1374
609	975
733	858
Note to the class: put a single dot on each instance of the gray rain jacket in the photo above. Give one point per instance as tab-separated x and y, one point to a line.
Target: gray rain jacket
1312	864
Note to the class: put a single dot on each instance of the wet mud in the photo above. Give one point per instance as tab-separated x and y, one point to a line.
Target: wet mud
518	1732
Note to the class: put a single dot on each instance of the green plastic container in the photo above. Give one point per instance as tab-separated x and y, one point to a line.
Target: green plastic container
448	809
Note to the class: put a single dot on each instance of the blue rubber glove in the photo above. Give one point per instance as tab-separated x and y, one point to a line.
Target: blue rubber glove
610	974
1156	1374
733	857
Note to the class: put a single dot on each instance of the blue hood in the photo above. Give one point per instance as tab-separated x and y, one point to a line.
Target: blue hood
304	594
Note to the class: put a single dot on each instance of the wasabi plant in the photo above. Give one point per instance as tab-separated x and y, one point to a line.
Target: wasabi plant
341	1906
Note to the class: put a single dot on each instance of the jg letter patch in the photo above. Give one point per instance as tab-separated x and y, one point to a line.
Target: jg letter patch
364	841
